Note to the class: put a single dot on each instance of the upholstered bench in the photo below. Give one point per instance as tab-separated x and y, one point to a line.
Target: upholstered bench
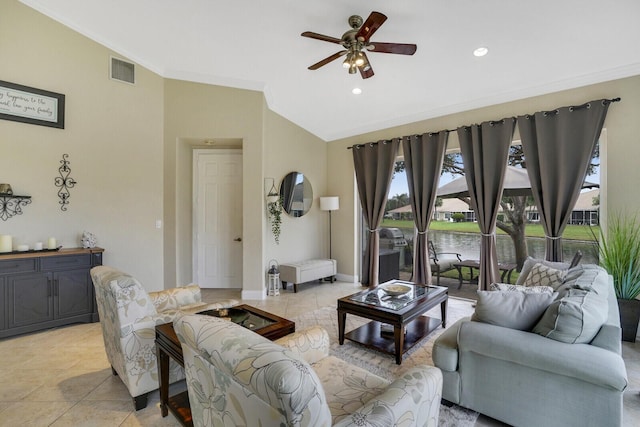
306	271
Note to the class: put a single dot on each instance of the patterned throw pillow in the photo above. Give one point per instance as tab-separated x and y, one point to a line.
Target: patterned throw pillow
530	262
542	275
519	288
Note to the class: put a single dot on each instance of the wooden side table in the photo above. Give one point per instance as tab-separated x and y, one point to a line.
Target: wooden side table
168	346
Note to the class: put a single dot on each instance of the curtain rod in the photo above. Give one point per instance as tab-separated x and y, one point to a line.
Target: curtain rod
571	108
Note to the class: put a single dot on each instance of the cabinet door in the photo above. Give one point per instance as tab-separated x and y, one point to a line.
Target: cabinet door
30	299
3	303
74	293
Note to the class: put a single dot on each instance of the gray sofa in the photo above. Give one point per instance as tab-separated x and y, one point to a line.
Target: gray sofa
526	378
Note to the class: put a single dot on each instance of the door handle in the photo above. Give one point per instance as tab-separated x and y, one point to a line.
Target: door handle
238	239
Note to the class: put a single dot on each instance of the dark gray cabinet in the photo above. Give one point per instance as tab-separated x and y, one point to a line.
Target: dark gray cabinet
29	298
3	317
47	289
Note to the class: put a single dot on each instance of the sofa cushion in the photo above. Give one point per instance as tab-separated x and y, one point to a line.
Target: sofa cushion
581	309
530	262
515	310
544	275
520	288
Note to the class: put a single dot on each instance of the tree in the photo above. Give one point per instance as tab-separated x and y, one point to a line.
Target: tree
514	208
397	201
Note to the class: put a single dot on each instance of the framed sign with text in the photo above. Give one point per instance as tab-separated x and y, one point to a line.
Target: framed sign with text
30	105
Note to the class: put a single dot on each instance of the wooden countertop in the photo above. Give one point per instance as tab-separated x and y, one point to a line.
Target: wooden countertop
46	253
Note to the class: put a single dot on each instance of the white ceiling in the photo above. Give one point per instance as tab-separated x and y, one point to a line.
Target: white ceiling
535	47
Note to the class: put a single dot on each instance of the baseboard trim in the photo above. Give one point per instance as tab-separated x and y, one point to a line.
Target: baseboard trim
347	278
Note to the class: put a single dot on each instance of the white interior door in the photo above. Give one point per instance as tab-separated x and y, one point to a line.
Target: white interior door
217	218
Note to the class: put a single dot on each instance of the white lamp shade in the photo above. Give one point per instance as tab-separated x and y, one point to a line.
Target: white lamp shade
331	203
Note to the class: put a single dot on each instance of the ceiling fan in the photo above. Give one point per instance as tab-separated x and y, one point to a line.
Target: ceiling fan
356	42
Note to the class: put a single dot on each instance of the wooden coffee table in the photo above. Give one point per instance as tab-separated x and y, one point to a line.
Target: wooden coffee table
403	312
168	345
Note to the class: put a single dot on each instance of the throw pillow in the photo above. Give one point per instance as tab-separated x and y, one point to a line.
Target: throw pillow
542	275
583	307
514	310
520	288
530	262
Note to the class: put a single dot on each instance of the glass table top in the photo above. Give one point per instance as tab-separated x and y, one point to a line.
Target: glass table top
242	317
394	294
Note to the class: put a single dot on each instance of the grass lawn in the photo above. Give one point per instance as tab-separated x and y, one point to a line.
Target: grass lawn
571	232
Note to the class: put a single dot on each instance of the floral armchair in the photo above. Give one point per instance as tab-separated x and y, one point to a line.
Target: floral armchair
237	377
128	317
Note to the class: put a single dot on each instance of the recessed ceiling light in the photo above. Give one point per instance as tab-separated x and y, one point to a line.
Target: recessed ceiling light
481	51
356	91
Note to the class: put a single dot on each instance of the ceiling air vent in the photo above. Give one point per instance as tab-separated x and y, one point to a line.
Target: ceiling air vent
122	71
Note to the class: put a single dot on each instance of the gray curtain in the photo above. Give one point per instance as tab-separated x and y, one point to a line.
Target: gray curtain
423	157
558	146
374	164
485	149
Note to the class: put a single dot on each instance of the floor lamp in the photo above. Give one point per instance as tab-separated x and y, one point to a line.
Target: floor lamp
331	203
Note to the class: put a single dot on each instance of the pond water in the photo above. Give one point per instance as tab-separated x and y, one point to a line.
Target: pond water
468	245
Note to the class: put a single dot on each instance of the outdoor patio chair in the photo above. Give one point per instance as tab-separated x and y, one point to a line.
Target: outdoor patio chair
442	261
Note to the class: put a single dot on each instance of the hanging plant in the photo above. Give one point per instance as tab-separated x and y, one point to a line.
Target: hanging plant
275	217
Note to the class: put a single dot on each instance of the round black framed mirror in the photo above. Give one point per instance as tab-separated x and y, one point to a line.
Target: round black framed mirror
296	194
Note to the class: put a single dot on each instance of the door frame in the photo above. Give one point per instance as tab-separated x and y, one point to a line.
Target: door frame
197	152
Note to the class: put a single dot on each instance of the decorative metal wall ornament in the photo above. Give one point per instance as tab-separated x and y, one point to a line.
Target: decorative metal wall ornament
11	205
64	182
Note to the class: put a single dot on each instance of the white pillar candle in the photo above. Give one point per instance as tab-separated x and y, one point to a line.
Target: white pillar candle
23	248
37	246
52	243
6	243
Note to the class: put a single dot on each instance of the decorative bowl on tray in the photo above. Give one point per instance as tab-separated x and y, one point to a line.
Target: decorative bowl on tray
235	315
395	289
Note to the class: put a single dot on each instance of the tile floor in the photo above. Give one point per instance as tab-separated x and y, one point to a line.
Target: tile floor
61	377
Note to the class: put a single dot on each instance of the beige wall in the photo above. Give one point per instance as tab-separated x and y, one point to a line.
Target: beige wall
113	136
620	176
290	148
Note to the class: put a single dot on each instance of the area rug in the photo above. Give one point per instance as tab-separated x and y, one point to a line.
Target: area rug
384	365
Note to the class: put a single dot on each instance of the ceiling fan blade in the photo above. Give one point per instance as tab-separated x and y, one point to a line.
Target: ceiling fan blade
328	59
399	48
373	22
365	70
322	37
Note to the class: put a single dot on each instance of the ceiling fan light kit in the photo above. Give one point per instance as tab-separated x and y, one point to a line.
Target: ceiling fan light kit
356	41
